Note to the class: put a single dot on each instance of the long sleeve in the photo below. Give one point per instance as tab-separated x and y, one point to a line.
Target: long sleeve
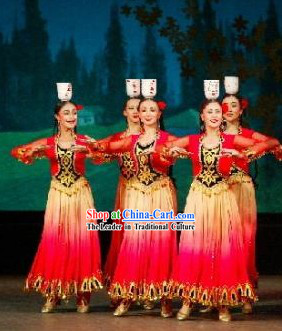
98	157
182	142
29	152
117	146
256	148
271	143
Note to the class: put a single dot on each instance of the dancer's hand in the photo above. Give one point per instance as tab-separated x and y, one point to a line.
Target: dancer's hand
40	148
232	152
148	151
79	148
178	152
89	141
27	153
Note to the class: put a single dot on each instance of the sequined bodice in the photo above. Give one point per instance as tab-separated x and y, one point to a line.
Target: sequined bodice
146	174
67	175
209	176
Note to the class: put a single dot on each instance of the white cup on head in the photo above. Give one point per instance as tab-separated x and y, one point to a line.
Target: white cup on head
133	87
64	91
231	84
211	89
149	88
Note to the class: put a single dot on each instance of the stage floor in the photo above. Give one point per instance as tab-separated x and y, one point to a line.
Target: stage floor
21	311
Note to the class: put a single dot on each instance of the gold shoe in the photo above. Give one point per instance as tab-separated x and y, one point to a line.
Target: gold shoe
247	308
166	314
184	316
83	309
206	310
166	310
148	305
82	302
122	308
185	311
49	306
224	315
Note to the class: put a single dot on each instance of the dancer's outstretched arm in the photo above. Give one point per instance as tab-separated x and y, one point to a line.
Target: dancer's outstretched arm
254	148
111	147
271	142
27	153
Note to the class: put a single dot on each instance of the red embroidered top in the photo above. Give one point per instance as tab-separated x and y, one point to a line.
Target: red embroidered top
242	164
224	162
129	145
22	153
78	161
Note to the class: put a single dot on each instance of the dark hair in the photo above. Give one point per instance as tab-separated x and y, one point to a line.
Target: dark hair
204	104
240	100
125	105
57	108
126	101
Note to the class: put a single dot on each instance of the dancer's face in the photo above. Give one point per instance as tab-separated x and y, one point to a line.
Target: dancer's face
67	116
131	111
149	113
212	115
234	109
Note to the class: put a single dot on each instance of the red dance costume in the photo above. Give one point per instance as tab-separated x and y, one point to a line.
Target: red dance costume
211	267
68	258
242	186
127	171
145	258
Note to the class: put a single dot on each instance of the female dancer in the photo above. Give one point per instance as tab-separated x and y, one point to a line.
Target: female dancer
209	268
68	258
127	171
145	258
240	181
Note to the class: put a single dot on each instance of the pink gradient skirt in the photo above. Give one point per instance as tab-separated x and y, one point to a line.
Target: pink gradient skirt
145	258
211	265
117	236
67	261
243	188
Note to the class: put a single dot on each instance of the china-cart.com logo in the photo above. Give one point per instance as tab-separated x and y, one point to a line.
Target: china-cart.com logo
130	219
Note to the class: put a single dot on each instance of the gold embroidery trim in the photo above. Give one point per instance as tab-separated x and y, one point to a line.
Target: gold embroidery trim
239	177
216	189
209	159
99	157
67	175
146	173
161	182
139	291
63	289
21	155
214	296
127	165
75	188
